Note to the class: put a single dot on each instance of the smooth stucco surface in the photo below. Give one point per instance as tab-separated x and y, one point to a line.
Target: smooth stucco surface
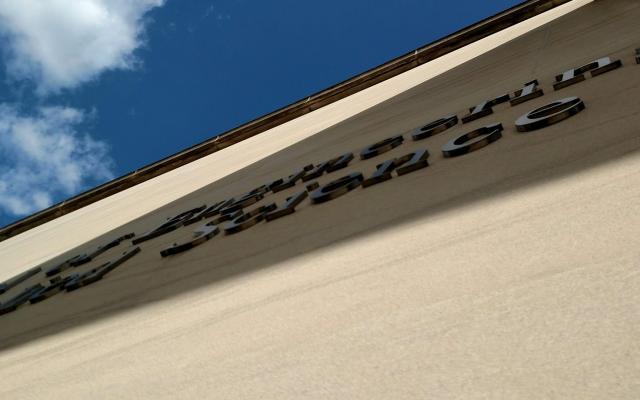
511	272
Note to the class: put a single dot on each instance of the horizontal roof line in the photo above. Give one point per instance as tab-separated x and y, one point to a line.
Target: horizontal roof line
397	66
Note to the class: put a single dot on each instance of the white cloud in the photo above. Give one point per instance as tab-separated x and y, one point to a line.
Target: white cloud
43	157
63	43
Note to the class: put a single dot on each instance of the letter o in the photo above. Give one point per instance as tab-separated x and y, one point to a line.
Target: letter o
472	141
337	188
435	127
381	147
549	114
246	221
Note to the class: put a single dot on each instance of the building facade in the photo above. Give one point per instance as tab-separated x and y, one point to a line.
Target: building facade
465	229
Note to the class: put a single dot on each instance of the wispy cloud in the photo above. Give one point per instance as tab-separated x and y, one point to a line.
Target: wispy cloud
46	153
61	44
43	156
208	11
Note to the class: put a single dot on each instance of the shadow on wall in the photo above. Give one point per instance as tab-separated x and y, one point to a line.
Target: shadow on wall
509	163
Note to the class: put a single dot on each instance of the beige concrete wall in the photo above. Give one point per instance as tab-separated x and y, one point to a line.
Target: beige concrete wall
510	272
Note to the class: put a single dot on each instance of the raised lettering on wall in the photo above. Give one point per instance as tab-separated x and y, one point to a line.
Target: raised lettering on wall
575	75
483	109
337	188
529	92
434	127
381	146
472	141
549	114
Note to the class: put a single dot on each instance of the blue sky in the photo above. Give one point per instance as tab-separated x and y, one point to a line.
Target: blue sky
93	89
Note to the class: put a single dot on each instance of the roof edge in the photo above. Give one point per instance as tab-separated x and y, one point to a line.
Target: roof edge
397	66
